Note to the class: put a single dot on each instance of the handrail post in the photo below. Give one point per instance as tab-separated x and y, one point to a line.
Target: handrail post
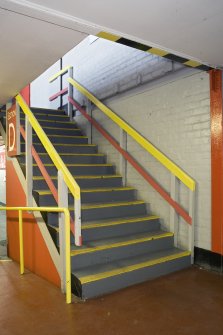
122	160
67	256
89	125
62	202
70	94
29	163
192	197
77	227
21	244
174	218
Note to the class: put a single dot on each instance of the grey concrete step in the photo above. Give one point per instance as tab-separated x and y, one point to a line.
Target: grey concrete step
109	277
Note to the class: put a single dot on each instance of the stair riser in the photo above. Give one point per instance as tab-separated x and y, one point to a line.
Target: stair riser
115	254
47	111
104	213
52	117
65	149
64	140
84	183
113	231
115	283
73	132
120	230
69	159
46	123
48	200
78	170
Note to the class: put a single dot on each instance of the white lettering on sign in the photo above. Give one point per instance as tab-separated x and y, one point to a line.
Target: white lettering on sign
11	137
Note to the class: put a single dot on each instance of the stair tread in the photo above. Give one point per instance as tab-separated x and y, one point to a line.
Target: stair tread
86	190
110	204
118	267
111	222
118	241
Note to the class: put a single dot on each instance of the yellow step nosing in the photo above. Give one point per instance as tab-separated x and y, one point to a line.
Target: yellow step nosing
113	204
99	165
120	244
130	268
45	114
118	222
64	136
92	190
52	121
67	154
58	128
82	177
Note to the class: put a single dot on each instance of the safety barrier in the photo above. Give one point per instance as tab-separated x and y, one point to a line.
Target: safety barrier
177	174
64	252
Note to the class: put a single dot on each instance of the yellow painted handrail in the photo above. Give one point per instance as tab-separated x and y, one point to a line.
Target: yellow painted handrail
58	162
56	75
172	167
67	239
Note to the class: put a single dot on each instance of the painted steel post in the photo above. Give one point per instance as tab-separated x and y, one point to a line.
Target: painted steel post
29	164
174	217
62	202
21	244
70	94
89	125
192	199
122	160
77	225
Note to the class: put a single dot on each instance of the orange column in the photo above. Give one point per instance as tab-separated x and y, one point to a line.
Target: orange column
216	159
25	93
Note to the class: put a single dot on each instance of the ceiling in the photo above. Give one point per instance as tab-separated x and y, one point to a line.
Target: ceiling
35	34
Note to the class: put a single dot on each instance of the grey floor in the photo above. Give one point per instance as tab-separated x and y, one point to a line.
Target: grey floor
2	215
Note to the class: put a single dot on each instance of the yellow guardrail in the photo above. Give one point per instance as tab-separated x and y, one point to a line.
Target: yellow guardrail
56	75
165	161
58	162
67	239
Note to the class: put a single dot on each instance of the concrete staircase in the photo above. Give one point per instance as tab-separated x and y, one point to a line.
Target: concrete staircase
123	243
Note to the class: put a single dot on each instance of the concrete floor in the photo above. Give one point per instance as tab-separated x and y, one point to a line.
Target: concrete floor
187	302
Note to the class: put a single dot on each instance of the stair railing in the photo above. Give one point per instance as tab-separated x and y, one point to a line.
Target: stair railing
68	69
65	180
177	174
66	263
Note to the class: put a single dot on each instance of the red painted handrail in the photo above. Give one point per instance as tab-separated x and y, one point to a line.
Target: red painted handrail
56	95
179	209
45	174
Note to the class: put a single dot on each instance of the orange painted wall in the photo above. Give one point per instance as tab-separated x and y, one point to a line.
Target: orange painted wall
25	92
37	257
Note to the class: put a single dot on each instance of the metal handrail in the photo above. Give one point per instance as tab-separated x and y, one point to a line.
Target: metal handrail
59	73
164	160
56	159
67	239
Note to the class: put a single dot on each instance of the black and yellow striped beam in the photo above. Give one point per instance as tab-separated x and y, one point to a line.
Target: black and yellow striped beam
155	51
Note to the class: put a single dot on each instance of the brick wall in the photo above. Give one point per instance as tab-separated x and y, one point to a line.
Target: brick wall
175	117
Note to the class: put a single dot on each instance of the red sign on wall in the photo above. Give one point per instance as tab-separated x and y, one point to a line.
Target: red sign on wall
13	136
2	157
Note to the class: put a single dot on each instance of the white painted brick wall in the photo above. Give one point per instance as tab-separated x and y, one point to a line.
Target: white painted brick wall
175	117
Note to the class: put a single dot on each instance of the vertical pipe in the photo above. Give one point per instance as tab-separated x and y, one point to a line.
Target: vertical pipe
67	252
62	202
21	246
174	218
29	164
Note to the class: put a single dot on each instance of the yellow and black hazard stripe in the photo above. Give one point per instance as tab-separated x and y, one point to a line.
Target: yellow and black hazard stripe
155	51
